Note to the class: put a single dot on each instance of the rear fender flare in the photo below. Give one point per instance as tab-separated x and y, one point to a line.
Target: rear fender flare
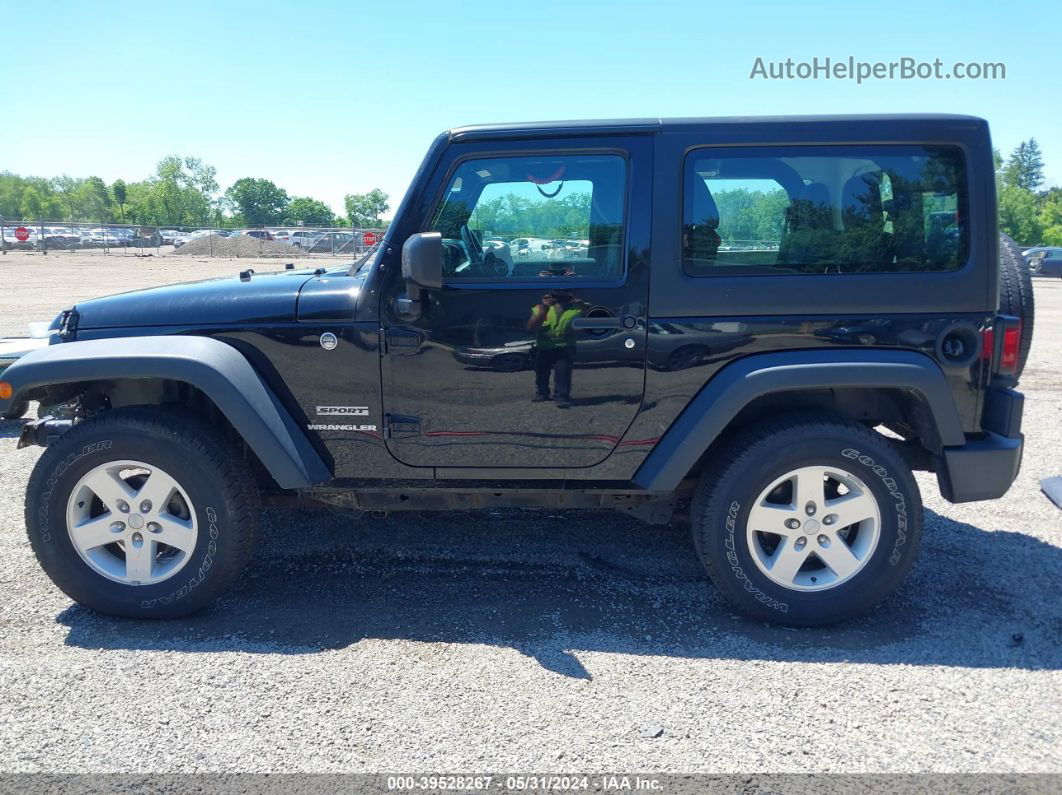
741	382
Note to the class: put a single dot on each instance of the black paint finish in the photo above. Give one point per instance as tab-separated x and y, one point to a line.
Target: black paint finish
264	298
463	370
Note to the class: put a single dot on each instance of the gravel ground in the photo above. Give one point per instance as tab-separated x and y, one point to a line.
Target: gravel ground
509	640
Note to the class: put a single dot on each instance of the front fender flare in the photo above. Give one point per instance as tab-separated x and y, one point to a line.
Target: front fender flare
746	379
220	371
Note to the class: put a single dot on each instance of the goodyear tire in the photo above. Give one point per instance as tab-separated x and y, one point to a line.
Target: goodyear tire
1016	294
142	512
807	521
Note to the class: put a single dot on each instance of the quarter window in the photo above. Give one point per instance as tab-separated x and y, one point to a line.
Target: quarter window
824	210
529	218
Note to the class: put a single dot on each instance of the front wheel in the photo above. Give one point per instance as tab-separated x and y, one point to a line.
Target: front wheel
142	512
807	520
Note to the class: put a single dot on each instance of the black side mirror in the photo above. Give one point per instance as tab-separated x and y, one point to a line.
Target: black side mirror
422	260
422	269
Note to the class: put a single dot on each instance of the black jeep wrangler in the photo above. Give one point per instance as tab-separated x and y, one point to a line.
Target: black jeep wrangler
775	320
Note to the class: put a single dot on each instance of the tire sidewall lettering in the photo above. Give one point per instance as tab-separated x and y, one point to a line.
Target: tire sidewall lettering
48	533
204	566
730	542
899	502
733	536
43	514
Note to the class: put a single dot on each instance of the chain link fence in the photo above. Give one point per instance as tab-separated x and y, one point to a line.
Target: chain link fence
45	237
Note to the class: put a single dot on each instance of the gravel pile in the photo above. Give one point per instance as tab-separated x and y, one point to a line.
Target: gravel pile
237	246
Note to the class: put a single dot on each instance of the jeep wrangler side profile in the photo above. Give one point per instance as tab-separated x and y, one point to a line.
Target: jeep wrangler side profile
777	319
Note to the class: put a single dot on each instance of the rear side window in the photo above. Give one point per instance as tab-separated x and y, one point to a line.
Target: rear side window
824	210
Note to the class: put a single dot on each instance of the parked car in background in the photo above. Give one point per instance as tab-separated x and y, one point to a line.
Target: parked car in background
198	233
1047	262
119	236
261	234
14	348
1032	252
339	242
97	238
147	237
526	246
303	238
168	236
61	237
180	239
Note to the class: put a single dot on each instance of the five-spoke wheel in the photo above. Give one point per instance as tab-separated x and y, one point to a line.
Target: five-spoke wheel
131	522
146	512
807	519
813	528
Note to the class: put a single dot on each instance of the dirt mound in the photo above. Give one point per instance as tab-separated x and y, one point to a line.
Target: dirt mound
236	246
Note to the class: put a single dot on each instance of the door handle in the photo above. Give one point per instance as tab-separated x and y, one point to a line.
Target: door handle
402	341
627	322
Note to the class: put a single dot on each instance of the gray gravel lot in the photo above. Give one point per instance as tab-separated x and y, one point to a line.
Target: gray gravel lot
510	640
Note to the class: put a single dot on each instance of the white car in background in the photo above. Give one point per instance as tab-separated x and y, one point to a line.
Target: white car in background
96	238
14	348
61	237
303	238
526	246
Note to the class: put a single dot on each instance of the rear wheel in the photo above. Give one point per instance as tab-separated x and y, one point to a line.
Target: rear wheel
807	520
142	512
684	358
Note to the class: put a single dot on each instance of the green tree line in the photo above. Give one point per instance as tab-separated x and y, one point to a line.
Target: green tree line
512	216
182	191
1028	215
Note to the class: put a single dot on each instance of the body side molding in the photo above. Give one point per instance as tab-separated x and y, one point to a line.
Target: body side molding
738	384
218	369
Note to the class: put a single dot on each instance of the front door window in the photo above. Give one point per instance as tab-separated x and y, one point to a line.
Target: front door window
534	218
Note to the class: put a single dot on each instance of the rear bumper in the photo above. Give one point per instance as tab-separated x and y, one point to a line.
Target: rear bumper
984	468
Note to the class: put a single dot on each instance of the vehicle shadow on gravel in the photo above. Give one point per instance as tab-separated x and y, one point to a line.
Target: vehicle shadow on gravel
553	586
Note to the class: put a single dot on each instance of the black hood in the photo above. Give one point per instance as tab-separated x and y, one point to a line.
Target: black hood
262	298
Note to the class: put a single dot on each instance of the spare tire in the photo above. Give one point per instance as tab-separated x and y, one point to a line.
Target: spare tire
1016	293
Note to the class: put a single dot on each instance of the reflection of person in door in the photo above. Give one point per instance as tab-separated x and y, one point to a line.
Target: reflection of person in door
554	350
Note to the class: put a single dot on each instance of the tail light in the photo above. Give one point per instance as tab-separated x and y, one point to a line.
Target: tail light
1007	330
1008	356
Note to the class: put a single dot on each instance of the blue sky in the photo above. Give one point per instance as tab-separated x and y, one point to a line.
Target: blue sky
330	98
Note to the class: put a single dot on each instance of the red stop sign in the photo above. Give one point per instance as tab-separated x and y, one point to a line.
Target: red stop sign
22	233
369	239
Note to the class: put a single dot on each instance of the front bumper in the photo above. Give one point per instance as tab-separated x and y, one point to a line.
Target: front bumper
985	467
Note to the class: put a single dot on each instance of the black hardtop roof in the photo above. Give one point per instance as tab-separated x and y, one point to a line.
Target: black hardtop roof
650	126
